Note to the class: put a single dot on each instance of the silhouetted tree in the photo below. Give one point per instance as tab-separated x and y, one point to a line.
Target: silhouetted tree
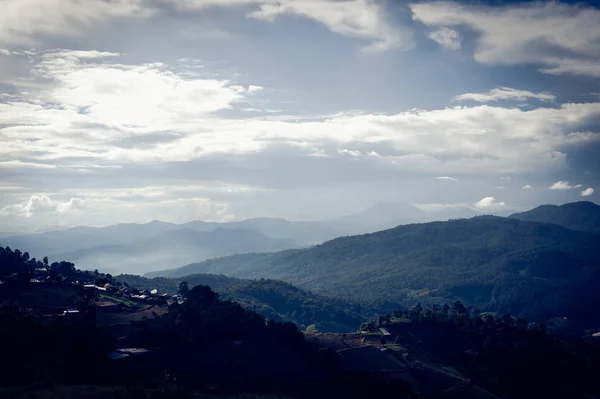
184	288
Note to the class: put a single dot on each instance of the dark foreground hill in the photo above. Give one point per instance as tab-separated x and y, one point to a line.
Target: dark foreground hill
204	346
498	264
582	216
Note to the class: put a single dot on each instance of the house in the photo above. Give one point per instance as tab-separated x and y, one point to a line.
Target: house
126	352
154	292
72	313
133	351
116	355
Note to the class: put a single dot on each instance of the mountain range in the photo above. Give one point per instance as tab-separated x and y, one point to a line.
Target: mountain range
538	270
539	264
141	248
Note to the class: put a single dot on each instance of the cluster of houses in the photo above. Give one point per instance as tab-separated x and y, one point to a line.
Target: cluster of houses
44	275
145	296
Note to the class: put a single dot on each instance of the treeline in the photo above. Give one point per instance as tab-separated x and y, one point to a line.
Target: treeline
19	266
506	355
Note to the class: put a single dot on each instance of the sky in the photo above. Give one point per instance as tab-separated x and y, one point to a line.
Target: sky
118	111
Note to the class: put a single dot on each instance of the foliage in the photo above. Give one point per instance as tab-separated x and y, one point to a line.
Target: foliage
52	350
506	355
20	263
275	300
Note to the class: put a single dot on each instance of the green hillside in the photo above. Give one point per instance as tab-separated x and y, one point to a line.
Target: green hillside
276	300
498	264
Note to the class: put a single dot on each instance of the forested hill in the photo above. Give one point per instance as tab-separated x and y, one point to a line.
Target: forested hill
582	216
498	264
275	300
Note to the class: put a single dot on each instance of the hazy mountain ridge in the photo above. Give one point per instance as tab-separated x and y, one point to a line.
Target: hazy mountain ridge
104	247
172	247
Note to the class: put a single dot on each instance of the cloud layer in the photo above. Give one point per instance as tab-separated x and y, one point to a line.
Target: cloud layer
96	111
133	110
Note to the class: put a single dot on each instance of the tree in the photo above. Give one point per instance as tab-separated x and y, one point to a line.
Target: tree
45	261
184	288
445	309
460	308
201	295
415	312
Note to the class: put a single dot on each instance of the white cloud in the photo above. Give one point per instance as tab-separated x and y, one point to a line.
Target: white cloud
119	96
447	178
362	19
254	88
532	33
352	153
505	93
563	185
23	22
527	187
40	204
565	66
16	164
446	37
587	192
73	56
12	187
265	111
489	203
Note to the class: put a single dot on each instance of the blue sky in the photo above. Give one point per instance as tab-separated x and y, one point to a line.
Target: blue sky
134	110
